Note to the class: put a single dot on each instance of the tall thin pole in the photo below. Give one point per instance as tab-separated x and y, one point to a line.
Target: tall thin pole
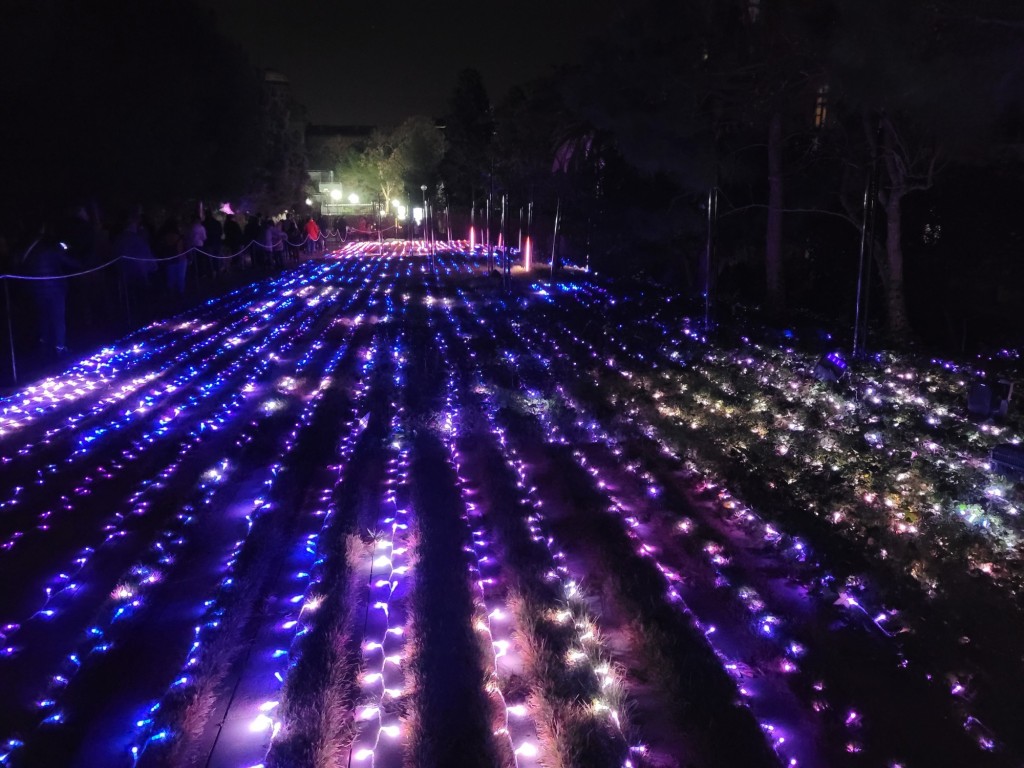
712	216
487	238
867	246
10	331
520	229
554	239
504	243
380	221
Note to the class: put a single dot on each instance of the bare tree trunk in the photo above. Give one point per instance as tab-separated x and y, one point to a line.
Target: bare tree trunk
896	304
774	278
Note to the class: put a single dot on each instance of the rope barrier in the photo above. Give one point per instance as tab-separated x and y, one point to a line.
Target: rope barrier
154	259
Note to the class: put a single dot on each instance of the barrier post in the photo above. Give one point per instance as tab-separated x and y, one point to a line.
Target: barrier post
10	330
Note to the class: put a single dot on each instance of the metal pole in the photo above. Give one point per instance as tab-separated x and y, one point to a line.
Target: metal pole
712	205
380	222
504	243
554	238
520	229
867	243
487	239
10	331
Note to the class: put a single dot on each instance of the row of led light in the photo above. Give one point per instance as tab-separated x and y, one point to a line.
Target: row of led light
853	603
588	647
165	389
298	586
137	504
148	728
303	573
1002	538
87	551
765	622
130	593
879	618
776	369
490	618
89	440
124	600
957	688
65	583
382	677
715	406
97	372
589	430
892	393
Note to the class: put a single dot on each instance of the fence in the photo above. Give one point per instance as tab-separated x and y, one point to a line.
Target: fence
191	252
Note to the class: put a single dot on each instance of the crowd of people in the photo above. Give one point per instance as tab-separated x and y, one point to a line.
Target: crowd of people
76	270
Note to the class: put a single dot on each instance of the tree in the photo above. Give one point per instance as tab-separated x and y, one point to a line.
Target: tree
936	97
123	102
397	159
469	128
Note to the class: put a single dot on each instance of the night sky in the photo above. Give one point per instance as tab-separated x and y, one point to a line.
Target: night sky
360	63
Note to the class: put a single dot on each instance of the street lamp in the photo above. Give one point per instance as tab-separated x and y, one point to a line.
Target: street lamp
426	220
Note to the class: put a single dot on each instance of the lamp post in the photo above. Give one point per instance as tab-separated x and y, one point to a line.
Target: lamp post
426	219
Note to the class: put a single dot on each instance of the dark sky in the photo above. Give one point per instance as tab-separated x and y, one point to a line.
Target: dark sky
377	62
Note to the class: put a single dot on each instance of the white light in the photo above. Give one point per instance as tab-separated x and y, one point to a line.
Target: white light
261	723
335	194
526	749
353	198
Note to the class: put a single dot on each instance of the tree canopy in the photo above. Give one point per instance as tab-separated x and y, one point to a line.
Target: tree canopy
124	101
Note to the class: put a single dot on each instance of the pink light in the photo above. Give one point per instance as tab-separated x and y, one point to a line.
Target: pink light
472	239
528	257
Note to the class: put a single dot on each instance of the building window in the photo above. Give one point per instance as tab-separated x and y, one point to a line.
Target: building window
821	107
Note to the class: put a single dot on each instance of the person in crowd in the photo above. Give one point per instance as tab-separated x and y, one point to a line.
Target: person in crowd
47	261
172	253
313	233
253	235
274	240
79	234
132	247
293	239
342	226
214	242
233	240
195	241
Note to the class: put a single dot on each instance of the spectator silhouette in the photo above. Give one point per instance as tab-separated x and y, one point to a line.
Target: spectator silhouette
233	240
137	265
195	239
275	242
170	245
214	238
292	239
253	237
47	259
